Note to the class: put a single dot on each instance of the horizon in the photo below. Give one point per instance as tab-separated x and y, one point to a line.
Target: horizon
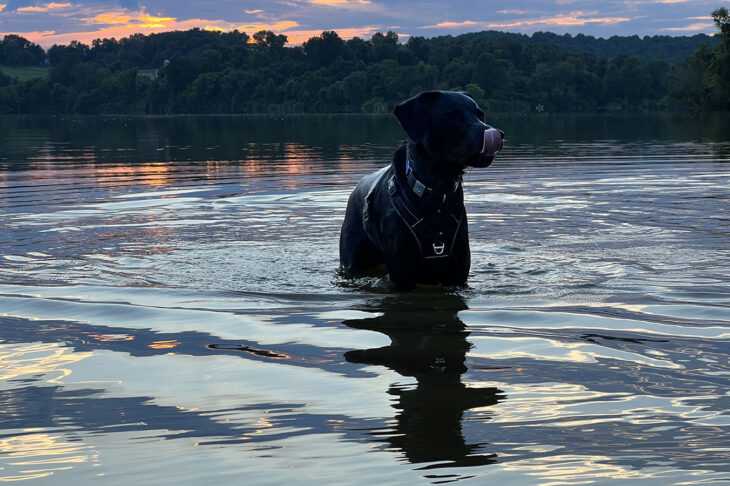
49	23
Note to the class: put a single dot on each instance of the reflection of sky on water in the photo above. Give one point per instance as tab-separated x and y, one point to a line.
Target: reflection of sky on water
175	303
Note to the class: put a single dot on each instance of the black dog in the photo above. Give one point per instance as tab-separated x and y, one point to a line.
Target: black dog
410	215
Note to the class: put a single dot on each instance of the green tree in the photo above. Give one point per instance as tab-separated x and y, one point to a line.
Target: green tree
214	72
325	48
385	45
722	21
19	51
4	79
492	75
269	39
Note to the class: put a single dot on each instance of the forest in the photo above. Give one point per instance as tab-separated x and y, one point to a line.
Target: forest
199	71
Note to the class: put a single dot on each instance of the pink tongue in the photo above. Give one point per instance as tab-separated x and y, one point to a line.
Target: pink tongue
492	141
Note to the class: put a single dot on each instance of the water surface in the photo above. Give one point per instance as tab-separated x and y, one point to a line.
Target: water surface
170	309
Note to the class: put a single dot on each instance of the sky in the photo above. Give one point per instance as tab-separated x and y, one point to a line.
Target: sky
62	21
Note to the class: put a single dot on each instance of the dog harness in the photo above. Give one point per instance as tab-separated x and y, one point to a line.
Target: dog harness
434	232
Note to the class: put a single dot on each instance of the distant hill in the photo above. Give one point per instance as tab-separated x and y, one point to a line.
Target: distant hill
24	73
647	48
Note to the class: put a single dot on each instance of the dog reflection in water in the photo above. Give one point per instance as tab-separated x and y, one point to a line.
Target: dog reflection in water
428	343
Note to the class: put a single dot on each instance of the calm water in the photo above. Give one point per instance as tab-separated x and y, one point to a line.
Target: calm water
170	310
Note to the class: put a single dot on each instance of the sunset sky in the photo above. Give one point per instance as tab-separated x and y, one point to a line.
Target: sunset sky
84	20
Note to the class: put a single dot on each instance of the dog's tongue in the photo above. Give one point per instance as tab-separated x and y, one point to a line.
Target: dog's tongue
492	141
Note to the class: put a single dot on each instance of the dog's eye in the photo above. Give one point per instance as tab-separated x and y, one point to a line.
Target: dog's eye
480	114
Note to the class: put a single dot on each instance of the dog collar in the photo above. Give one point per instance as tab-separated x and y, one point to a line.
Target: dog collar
419	188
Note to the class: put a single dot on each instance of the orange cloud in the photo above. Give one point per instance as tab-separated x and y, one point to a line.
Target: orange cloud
150	18
119	26
44	8
154	22
112	18
252	12
2	6
49	37
119	23
139	19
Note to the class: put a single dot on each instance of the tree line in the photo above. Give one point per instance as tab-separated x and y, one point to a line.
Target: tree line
200	71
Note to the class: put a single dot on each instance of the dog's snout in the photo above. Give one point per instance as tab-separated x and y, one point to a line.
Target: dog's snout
493	141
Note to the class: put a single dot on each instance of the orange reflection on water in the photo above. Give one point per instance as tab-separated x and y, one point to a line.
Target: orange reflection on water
164	344
152	174
575	469
213	168
155	174
297	162
107	338
37	358
33	455
297	158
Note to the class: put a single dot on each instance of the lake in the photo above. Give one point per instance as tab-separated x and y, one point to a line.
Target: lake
171	311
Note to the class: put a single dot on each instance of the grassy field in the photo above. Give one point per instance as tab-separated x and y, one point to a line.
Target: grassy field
24	73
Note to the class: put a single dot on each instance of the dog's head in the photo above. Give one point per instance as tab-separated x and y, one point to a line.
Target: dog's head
448	128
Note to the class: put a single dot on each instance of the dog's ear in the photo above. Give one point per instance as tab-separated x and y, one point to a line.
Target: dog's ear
413	114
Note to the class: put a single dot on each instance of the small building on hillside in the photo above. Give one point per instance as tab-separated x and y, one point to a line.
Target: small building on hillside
148	73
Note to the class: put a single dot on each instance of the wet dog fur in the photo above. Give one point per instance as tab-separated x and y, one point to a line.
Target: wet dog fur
405	213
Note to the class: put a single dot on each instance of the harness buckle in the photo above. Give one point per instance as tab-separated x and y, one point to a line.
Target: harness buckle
391	186
439	247
419	188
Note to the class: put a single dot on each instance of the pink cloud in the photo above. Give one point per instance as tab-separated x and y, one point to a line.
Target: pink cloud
452	25
279	27
696	27
300	36
577	18
44	8
562	20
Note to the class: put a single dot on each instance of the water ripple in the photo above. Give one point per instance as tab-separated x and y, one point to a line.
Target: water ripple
169	295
